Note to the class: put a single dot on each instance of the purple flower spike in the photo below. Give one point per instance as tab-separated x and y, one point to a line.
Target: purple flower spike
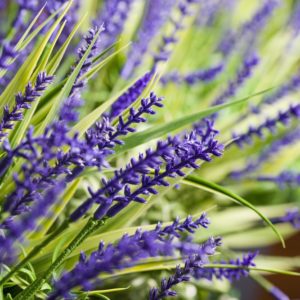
243	74
27	222
187	225
289	87
271	151
284	179
22	102
185	9
292	216
176	153
185	155
8	53
128	252
130	96
113	17
135	116
193	77
68	111
183	274
230	274
155	17
195	267
250	30
270	124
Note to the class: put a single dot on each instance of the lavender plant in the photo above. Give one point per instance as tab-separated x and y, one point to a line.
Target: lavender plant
139	124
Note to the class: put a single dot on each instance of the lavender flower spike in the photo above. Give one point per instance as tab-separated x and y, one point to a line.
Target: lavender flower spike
7	54
171	152
290	86
195	267
130	250
27	222
23	102
183	274
285	178
292	216
130	96
155	16
113	16
185	155
164	51
193	77
243	74
249	30
271	151
68	110
283	117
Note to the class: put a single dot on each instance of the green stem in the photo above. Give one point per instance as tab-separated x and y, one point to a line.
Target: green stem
34	252
91	226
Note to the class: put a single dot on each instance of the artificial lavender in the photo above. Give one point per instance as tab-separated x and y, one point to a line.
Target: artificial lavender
270	124
175	153
22	103
130	174
27	222
230	91
244	73
290	86
157	12
38	174
68	111
185	155
271	151
291	216
211	9
8	54
112	16
231	274
195	267
294	20
250	30
193	77
164	51
284	179
162	241
130	96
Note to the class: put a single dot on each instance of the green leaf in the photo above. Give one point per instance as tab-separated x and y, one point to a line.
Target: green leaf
56	60
108	291
217	189
161	130
25	39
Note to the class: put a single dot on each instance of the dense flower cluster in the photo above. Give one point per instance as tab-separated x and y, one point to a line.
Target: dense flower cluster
68	181
169	160
130	250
